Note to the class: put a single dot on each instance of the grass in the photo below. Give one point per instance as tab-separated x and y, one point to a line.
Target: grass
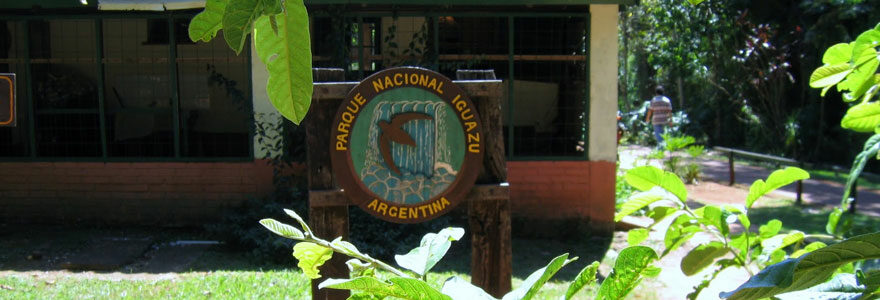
807	219
232	285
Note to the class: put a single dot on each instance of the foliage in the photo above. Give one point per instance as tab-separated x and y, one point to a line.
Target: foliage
282	41
685	167
632	265
663	193
852	68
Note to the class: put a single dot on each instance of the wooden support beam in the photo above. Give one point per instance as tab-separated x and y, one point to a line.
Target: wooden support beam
491	251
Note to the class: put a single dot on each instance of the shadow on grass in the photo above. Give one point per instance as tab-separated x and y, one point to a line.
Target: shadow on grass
808	219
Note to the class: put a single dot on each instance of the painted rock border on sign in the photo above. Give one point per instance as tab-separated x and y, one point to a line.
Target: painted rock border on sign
406	145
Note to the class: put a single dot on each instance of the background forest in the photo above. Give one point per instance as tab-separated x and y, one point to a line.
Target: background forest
739	70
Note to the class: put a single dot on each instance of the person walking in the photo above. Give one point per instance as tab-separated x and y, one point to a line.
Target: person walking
659	114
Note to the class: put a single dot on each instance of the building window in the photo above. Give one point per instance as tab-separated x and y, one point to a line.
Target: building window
541	60
124	89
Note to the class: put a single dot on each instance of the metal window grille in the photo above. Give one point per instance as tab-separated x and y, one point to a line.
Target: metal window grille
124	87
541	57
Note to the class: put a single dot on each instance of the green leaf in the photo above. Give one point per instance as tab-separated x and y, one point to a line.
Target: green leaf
532	284
586	277
295	216
431	249
406	288
661	212
459	289
637	236
204	26
282	229
829	75
770	229
838	54
679	231
777	179
808	270
640	200
771	245
357	268
288	57
345	247
711	215
627	272
238	20
871	148
841	287
695	2
862	77
866	40
701	257
311	256
809	248
647	177
862	117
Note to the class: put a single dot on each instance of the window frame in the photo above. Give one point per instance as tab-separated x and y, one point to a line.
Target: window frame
171	18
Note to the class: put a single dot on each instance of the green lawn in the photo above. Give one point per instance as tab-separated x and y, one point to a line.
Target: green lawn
224	285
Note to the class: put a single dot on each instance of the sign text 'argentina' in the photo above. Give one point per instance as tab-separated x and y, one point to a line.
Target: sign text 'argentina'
406	145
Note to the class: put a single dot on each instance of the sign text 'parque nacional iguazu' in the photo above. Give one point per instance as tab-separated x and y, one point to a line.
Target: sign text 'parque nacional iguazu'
406	145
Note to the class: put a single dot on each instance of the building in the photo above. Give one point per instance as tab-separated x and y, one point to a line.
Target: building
123	119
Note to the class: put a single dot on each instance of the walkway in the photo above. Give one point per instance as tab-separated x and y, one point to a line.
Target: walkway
820	193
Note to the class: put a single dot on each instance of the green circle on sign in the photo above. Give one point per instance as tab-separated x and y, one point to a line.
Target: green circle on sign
424	170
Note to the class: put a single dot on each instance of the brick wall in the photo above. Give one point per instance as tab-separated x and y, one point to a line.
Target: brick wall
580	191
142	193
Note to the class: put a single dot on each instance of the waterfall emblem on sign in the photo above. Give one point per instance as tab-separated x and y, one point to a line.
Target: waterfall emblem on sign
405	145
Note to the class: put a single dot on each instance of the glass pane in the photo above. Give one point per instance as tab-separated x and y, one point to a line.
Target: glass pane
549	87
138	88
215	105
14	141
64	76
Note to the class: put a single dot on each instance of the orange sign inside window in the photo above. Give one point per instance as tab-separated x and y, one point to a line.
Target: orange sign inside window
7	99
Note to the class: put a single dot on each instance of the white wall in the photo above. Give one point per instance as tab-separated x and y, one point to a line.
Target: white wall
603	82
264	112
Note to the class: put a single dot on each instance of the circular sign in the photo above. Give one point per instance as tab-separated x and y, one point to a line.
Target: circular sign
406	145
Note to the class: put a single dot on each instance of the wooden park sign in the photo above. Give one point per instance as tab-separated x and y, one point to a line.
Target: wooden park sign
405	145
7	99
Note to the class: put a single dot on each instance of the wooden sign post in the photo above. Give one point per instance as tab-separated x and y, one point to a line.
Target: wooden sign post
407	145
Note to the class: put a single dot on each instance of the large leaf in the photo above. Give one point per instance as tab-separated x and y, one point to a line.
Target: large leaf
838	54
777	179
627	272
862	117
432	248
640	200
585	277
713	216
830	75
808	270
647	177
701	257
288	57
459	289
862	75
841	287
537	279
311	256
282	229
866	40
204	26
238	20
406	288
679	231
